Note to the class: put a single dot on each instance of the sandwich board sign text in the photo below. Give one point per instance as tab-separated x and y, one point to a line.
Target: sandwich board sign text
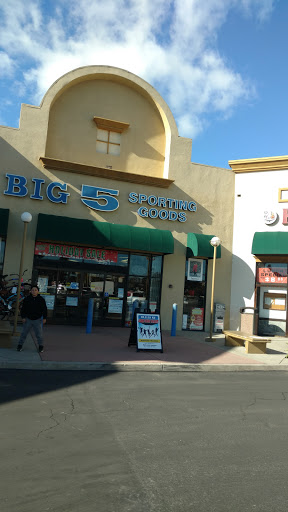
149	332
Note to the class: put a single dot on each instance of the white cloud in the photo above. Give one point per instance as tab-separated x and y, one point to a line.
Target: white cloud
261	9
169	43
6	65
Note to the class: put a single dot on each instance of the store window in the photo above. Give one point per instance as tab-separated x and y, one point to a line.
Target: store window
2	252
271	296
61	293
194	295
108	142
155	283
139	265
144	284
109	134
68	276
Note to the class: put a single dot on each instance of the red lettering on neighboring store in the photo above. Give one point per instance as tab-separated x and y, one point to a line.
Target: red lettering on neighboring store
78	253
285	216
267	275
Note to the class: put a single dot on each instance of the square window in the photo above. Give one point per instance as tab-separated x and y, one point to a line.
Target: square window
101	147
114	150
102	135
108	142
115	137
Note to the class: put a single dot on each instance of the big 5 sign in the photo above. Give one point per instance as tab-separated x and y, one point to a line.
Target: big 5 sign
101	199
93	197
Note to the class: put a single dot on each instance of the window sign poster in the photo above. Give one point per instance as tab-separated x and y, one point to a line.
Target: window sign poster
272	273
196	319
195	270
74	286
71	301
97	286
43	284
184	321
149	332
109	287
120	293
50	301
115	306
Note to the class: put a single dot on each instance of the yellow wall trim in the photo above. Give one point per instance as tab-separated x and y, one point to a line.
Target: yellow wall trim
110	174
274	163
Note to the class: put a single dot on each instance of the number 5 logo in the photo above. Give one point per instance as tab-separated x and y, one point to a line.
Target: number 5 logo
101	199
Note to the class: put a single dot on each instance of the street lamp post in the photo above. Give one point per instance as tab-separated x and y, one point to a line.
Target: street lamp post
215	242
26	217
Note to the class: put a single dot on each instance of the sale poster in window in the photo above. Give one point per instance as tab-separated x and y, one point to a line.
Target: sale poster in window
197	319
272	273
115	306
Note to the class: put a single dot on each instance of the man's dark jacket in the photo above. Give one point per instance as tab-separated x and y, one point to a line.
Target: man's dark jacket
34	307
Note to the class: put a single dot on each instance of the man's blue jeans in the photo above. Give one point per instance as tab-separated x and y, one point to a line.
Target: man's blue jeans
36	325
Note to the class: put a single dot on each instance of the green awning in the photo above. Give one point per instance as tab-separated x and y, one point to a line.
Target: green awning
199	246
270	242
4	216
103	234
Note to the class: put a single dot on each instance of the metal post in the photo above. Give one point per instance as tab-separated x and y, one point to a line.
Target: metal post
19	279
212	295
89	316
174	319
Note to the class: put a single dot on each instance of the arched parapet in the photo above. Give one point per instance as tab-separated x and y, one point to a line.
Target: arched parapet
107	92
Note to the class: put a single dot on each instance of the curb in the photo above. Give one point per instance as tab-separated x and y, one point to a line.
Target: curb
132	367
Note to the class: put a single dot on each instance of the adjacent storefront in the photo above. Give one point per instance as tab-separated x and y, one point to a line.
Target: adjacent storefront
260	259
271	297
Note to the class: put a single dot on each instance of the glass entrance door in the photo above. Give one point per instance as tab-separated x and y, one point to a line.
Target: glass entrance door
108	292
93	288
113	309
67	297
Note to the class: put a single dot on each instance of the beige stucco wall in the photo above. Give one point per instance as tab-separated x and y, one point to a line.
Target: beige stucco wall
72	132
210	187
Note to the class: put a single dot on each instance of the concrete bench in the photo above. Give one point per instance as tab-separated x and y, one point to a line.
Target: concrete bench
253	344
5	334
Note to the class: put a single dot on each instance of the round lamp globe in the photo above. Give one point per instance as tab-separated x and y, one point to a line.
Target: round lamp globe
26	217
215	241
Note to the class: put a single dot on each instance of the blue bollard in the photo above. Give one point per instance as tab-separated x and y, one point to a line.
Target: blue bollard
135	305
89	316
174	319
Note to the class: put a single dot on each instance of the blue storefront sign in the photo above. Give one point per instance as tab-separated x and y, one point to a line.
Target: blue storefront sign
101	199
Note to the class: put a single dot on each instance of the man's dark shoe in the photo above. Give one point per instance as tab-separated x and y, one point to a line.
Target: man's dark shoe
19	348
41	348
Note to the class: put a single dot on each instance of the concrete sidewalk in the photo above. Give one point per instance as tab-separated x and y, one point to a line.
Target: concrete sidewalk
70	348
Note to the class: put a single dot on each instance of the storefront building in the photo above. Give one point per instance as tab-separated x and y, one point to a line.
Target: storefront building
119	211
260	245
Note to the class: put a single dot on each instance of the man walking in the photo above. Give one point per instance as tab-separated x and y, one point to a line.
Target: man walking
33	309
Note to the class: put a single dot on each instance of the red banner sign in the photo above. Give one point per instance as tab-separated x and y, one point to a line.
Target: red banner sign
75	252
270	275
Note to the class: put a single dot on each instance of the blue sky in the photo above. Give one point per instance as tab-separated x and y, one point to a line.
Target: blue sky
221	65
